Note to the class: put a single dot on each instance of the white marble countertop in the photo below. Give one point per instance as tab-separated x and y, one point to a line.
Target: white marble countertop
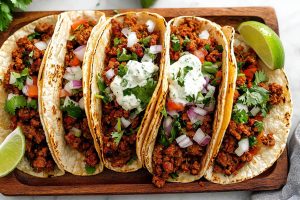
289	25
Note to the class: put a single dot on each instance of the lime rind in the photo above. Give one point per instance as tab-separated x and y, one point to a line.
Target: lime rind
265	43
11	151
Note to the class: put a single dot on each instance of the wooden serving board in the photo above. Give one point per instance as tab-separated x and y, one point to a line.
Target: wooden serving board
109	182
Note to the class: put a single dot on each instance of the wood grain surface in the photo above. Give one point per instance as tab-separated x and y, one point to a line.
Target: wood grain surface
108	182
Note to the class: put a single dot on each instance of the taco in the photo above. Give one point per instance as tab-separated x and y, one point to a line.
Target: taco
258	129
61	97
126	72
190	109
21	57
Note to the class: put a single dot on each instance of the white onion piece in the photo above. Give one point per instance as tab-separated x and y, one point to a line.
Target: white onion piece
41	45
125	122
199	135
211	88
29	80
68	87
243	147
199	111
10	95
30	60
79	52
150	25
167	124
193	116
75	131
183	141
81	103
205	140
204	91
155	49
254	111
172	113
110	74
68	100
126	32
242	107
25	90
12	79
146	58
132	39
73	73
204	35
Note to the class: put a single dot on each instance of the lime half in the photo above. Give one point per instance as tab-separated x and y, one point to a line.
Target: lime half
265	43
11	151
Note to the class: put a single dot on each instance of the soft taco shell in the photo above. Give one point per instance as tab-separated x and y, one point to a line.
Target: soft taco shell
50	82
91	89
278	122
220	113
5	59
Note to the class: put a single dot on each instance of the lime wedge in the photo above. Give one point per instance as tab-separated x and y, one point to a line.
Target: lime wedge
11	151
265	43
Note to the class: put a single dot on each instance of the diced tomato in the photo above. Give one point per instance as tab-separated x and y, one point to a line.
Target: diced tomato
32	91
201	53
34	78
64	93
74	61
173	106
249	73
76	24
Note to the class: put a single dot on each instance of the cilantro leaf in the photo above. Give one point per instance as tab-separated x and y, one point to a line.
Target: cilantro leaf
143	93
186	40
132	159
207	47
117	41
259	125
240	65
5	16
32	104
175	43
239	116
145	41
174	175
164	112
103	92
219	48
210	69
252	141
35	35
197	124
20	78
90	169
260	76
123	56
72	110
117	136
122	70
22	4
14	103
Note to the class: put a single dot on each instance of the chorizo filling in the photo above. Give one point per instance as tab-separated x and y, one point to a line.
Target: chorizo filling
194	78
20	82
253	99
77	132
126	85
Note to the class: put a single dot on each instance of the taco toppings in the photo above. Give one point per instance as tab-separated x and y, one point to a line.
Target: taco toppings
77	132
253	99
126	85
20	82
194	77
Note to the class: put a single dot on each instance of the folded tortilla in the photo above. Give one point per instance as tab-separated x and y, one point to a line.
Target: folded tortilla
50	83
96	66
5	59
220	114
277	121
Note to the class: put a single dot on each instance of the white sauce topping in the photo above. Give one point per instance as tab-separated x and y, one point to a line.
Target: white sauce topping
193	80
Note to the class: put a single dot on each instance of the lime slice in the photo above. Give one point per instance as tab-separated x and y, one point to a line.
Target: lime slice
265	43
11	151
147	3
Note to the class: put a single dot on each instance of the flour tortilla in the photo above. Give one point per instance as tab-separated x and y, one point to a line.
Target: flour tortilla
5	59
50	83
93	105
278	122
220	114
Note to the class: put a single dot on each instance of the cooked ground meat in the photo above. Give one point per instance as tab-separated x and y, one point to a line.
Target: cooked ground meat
268	140
276	94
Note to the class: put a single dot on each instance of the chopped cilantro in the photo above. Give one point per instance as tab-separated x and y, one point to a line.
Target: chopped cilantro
207	47
175	43
122	70
145	41
117	136
20	78
72	110
34	35
206	63
259	125
90	169
164	111
117	41
197	124
210	69
103	92
186	70
143	93
124	83
252	141
132	159
14	103
134	56
186	40
240	64
219	48
174	175
254	96
123	56
239	116
260	76
119	125
32	104
31	54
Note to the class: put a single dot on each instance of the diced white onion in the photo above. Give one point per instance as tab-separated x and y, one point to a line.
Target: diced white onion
254	111
241	106
199	135
243	147
29	80
150	25
41	45
199	111
68	101
73	73
79	52
110	74
126	32
155	49
10	95
204	35
211	88
132	39
180	138
205	140
125	122
146	58
81	103
68	87
193	116
75	131
184	141
12	79
25	90
167	124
